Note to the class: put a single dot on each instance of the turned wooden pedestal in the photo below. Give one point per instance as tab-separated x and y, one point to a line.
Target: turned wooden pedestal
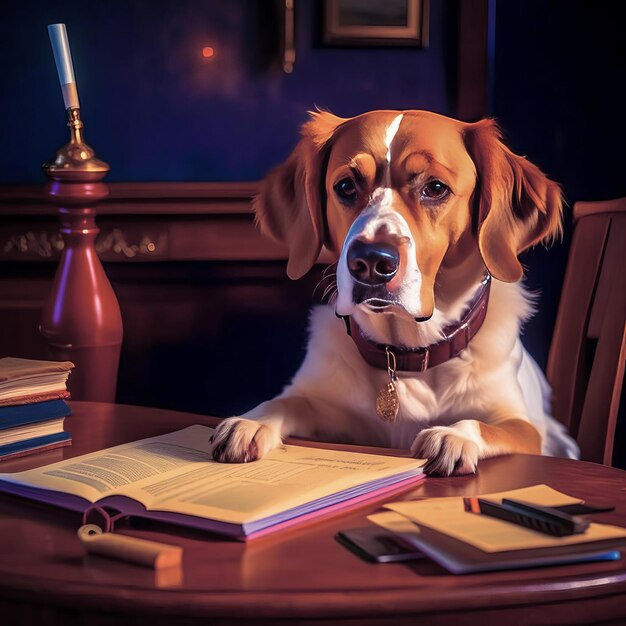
81	321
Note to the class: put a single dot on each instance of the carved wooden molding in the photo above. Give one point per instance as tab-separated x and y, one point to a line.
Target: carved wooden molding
38	243
143	222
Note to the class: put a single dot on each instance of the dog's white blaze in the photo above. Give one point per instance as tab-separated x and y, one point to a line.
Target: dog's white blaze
392	129
390	134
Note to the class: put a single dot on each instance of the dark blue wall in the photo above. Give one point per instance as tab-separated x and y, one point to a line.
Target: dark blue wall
155	109
558	93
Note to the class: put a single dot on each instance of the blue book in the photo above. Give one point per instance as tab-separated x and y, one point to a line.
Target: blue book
12	416
48	442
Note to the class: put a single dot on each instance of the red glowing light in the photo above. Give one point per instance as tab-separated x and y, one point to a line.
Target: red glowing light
208	52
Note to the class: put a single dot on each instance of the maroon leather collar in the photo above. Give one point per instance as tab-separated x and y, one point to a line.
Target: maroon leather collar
457	338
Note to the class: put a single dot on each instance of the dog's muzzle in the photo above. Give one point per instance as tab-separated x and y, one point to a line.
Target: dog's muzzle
377	269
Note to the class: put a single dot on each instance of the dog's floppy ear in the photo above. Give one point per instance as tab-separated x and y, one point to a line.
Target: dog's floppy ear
516	206
289	205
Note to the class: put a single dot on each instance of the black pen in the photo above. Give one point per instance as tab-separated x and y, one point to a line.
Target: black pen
542	519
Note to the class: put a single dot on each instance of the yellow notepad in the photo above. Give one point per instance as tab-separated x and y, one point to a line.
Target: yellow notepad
448	517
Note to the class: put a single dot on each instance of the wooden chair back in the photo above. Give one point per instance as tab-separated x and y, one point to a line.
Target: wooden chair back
588	350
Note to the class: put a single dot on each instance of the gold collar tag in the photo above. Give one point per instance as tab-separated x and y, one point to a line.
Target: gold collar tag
387	401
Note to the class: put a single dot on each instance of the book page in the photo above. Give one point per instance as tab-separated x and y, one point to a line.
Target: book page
447	515
174	472
286	478
116	471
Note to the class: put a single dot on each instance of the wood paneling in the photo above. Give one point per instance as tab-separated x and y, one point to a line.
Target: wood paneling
473	60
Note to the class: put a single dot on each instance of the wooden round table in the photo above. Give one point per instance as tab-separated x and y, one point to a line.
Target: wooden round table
301	575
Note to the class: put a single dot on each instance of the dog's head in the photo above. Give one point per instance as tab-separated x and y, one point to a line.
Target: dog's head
398	198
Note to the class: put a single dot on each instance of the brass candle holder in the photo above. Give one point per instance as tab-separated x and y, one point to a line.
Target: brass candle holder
81	320
77	155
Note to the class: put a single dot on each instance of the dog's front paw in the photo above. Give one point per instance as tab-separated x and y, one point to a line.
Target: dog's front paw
448	452
239	440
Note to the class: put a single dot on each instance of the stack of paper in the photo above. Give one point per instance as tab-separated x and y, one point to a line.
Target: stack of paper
32	409
464	542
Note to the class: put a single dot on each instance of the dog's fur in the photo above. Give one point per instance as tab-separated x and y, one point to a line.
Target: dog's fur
490	400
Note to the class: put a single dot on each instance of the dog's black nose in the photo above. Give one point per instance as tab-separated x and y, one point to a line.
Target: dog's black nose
373	263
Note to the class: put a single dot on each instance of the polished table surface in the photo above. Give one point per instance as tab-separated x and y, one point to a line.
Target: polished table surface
300	575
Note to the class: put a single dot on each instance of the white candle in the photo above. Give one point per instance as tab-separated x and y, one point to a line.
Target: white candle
63	60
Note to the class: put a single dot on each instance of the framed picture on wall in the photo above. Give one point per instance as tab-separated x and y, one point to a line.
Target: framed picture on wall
371	23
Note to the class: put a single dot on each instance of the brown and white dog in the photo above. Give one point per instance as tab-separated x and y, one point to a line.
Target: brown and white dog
420	211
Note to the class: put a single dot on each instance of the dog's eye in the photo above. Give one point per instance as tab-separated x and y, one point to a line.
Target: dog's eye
435	190
346	189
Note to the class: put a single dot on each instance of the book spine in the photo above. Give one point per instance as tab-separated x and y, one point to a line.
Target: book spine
11	450
11	416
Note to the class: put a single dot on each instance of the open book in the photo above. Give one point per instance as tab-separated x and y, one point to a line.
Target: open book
464	542
172	479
